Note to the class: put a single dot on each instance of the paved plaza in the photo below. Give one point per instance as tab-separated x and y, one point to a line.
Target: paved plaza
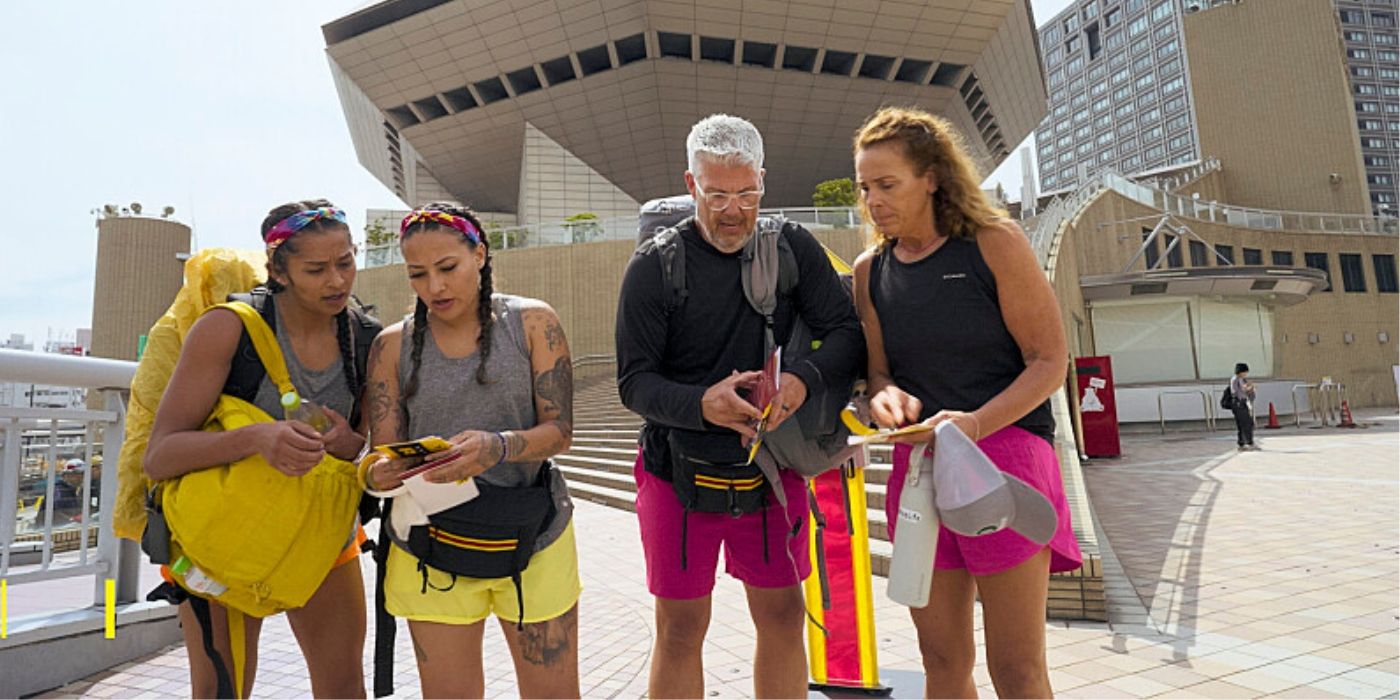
1229	574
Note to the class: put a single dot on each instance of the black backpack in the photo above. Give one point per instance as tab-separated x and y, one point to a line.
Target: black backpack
1227	399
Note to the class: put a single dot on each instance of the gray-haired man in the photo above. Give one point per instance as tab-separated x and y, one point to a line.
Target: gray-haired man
682	365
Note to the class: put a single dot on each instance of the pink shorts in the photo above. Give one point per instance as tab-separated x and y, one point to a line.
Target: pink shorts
660	514
1019	453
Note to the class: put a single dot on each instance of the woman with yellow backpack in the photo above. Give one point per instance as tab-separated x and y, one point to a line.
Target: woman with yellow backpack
491	374
300	344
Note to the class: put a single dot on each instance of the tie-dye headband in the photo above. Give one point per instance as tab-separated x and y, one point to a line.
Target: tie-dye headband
441	217
288	227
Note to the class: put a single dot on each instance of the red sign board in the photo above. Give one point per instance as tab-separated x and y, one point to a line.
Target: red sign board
1098	410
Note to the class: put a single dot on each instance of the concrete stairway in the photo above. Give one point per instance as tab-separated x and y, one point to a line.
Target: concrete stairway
599	468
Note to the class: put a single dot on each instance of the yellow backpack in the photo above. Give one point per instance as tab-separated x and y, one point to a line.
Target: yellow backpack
267	539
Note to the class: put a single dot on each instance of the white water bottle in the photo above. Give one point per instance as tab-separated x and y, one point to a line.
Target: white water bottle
916	537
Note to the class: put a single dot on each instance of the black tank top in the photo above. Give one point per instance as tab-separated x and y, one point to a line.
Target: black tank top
945	340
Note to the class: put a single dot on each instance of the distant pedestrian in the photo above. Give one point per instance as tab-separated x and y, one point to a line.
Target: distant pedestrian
1242	397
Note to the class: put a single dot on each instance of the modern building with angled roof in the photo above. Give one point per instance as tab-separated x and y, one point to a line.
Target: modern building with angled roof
545	109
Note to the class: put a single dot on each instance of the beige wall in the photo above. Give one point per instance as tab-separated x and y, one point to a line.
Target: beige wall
137	276
1273	103
580	281
1101	241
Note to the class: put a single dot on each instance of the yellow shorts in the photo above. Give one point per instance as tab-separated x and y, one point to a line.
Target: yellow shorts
550	585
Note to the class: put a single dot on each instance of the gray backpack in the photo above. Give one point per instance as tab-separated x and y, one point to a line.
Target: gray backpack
813	440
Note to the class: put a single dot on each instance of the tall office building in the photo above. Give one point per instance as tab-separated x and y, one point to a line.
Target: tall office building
1372	45
1120	83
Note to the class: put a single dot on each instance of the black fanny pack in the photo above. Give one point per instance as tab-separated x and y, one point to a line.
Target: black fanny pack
490	536
708	478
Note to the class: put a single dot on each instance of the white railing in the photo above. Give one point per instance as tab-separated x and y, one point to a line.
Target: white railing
20	476
1249	217
1043	228
1182	178
621	228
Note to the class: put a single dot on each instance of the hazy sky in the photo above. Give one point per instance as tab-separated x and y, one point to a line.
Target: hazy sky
221	109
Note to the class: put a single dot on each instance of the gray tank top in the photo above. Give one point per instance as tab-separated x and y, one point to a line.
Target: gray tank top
326	387
448	400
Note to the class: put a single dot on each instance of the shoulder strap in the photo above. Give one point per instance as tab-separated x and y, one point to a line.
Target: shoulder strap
761	272
788	272
265	342
670	249
245	372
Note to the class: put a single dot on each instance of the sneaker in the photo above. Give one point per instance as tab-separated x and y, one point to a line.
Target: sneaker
1241	448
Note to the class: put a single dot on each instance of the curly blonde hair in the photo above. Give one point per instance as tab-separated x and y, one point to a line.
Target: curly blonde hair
960	208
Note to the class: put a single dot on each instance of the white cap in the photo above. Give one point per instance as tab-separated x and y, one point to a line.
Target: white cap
977	498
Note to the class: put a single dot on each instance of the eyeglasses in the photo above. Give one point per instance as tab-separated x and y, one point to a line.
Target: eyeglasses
719	201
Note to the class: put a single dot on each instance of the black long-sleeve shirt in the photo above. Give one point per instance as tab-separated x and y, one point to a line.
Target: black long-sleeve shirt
666	361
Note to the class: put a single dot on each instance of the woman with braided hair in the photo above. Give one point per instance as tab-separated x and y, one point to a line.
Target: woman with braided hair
311	269
491	373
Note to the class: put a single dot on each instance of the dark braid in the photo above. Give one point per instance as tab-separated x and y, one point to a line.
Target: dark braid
420	328
347	353
484	316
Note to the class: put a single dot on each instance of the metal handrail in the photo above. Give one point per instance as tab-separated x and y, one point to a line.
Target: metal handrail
588	360
618	228
1293	395
111	377
1205	407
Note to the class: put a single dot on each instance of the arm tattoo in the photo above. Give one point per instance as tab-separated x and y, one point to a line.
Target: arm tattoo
553	334
515	445
546	643
381	409
555	386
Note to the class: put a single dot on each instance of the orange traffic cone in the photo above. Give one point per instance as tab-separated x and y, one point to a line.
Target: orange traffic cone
1347	422
1273	418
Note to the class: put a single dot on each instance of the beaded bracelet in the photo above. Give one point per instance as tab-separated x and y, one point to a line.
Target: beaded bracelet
504	447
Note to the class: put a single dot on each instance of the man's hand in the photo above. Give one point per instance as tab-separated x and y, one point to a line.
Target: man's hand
792	393
723	406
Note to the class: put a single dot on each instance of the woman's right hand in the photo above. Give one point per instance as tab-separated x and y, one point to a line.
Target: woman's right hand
291	447
891	407
384	474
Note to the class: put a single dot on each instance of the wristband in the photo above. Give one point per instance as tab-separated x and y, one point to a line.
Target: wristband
504	447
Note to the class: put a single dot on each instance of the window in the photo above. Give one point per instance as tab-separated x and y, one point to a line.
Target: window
1145	81
1385	273
1071	24
1199	258
1091	36
1382	19
1174	104
1153	254
1227	252
1111	17
1362	72
1091	11
1177	123
1164	32
1173	244
1172	85
1368	107
1143	65
1150	116
1162	11
1253	256
1167	49
1352	16
1318	261
1364	89
1179	142
1283	258
1353	279
1152	134
1358	53
1355	36
1115	40
1137	26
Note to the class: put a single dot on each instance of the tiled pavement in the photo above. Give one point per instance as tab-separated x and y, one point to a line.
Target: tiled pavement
1270	573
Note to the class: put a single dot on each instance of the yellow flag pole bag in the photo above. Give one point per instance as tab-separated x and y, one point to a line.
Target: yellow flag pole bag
246	535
